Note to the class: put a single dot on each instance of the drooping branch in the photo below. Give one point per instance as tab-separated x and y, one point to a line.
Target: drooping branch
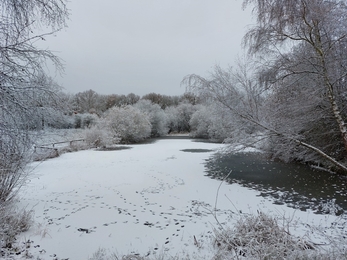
211	90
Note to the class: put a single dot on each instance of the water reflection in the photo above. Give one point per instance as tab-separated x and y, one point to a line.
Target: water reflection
295	185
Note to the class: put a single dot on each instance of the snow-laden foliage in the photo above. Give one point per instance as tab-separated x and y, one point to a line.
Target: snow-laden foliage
85	120
179	117
298	107
156	115
295	118
128	124
51	118
235	101
304	43
293	87
210	122
97	136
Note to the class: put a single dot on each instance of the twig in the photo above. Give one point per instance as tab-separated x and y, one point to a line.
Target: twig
215	204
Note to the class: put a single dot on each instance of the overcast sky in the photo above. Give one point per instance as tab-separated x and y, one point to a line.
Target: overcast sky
144	46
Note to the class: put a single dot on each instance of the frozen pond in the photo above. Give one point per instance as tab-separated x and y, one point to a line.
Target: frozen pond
147	199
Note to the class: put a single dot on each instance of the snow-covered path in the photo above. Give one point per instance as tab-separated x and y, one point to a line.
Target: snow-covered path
149	198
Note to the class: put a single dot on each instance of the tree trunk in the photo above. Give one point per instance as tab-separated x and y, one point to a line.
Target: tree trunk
335	108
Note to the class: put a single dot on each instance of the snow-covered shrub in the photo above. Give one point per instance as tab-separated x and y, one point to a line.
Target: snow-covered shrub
128	124
199	123
179	117
209	122
171	115
261	236
156	115
97	136
184	113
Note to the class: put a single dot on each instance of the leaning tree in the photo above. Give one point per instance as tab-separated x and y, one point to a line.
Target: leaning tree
300	47
304	43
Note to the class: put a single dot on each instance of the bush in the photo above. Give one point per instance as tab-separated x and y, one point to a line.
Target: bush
210	122
157	117
179	117
96	136
128	124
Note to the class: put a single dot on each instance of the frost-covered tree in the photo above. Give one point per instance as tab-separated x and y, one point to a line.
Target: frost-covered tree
86	100
200	122
301	48
120	100
305	43
162	100
297	108
128	124
23	79
85	120
184	114
157	117
179	117
211	122
171	115
131	99
48	103
236	96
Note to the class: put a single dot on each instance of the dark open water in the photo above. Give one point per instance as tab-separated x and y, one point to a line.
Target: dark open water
295	185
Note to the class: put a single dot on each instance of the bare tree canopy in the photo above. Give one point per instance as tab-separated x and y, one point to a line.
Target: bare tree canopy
299	20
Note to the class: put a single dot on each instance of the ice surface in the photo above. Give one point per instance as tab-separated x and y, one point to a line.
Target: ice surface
146	199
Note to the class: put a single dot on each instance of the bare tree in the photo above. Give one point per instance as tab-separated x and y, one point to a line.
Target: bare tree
132	99
24	84
86	101
156	116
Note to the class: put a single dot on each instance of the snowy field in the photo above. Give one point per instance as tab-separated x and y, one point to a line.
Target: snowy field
149	199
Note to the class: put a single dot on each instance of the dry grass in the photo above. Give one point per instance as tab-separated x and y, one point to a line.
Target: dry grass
260	236
12	223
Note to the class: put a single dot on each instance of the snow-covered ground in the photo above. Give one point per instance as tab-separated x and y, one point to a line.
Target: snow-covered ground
147	199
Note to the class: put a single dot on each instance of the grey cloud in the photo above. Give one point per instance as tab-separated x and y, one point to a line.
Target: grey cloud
147	46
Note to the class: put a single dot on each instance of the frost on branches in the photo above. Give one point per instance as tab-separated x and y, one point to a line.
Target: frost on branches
128	123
